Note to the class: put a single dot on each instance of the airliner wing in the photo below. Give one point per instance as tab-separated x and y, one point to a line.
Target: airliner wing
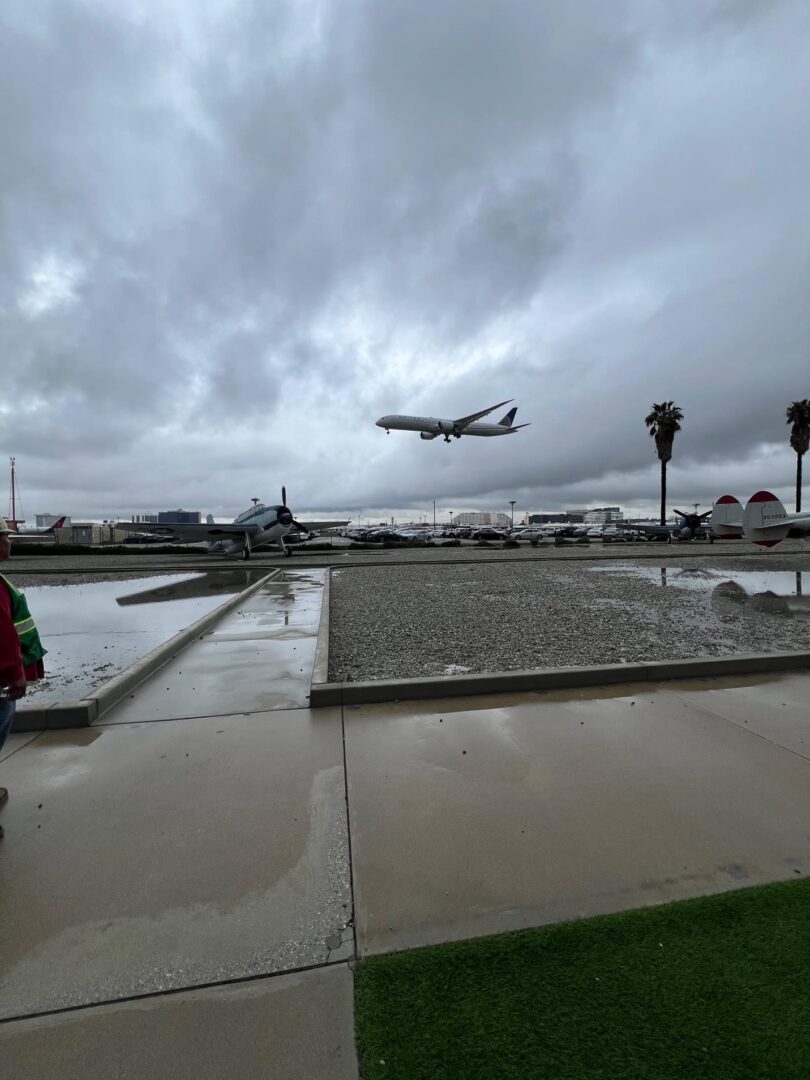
191	533
477	416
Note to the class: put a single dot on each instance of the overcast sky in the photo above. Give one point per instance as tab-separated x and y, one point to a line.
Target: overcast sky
236	233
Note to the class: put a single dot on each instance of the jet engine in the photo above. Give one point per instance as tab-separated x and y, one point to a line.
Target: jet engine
426	435
446	427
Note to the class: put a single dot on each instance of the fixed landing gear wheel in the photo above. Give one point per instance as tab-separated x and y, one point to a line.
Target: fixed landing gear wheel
245	553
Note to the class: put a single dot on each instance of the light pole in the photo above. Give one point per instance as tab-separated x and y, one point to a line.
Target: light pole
512	504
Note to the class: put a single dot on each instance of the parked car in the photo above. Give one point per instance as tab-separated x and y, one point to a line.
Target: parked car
487	534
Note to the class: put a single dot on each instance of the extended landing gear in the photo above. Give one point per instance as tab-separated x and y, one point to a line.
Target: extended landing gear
245	553
447	438
387	432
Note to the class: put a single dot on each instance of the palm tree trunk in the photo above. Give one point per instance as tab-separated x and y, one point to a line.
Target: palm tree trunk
663	492
798	482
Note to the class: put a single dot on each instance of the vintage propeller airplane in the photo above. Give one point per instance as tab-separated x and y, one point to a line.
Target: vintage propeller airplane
687	527
258	525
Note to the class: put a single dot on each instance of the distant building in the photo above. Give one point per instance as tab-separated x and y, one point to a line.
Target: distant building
89	532
473	518
599	515
147	519
481	517
178	517
566	517
604	515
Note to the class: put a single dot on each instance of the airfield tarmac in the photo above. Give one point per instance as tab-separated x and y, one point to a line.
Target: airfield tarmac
185	890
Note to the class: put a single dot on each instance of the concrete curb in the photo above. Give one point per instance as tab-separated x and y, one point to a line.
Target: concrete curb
320	668
82	713
504	682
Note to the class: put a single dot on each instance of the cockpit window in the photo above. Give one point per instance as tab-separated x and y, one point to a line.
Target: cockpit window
254	511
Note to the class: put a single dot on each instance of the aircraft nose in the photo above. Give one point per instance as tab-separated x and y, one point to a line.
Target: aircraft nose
380	422
285	516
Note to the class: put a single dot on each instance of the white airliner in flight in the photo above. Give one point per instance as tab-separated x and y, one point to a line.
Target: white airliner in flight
257	525
431	426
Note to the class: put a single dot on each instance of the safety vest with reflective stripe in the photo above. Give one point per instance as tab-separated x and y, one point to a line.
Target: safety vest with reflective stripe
30	645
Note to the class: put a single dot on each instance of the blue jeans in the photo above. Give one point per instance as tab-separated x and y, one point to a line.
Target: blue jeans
7	710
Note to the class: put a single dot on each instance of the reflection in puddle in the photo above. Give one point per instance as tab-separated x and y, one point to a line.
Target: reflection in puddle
781	582
754	592
95	630
211	583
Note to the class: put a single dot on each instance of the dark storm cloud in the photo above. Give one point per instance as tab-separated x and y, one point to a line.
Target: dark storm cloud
233	235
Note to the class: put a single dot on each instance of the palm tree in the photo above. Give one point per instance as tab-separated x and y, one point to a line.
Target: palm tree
798	414
663	422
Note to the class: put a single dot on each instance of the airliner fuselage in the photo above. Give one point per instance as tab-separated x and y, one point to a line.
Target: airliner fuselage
431	426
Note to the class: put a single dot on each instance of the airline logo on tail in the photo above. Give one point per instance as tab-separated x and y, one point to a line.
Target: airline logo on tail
510	416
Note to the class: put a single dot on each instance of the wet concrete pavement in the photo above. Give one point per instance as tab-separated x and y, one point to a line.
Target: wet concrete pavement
239	1032
258	657
179	897
149	857
95	629
472	821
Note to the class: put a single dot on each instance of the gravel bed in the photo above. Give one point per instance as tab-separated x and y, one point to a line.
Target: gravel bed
409	621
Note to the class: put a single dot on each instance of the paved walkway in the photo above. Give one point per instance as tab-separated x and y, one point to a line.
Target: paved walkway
184	886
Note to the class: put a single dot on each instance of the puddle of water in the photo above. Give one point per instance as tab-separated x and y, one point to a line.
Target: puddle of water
93	631
781	582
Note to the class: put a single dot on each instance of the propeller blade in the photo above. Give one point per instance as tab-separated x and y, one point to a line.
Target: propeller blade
680	513
283	496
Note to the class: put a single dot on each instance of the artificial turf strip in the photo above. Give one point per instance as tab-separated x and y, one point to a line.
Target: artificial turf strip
717	987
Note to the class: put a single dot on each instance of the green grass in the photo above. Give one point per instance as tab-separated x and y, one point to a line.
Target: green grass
717	987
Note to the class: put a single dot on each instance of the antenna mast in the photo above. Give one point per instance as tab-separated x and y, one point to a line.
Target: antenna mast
13	519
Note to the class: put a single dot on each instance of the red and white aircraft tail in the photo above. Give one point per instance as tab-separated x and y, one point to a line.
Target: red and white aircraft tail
726	520
764	520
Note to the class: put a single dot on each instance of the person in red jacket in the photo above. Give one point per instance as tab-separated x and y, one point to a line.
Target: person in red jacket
21	651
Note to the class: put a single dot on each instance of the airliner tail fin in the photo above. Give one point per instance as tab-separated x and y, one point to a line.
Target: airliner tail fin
510	416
